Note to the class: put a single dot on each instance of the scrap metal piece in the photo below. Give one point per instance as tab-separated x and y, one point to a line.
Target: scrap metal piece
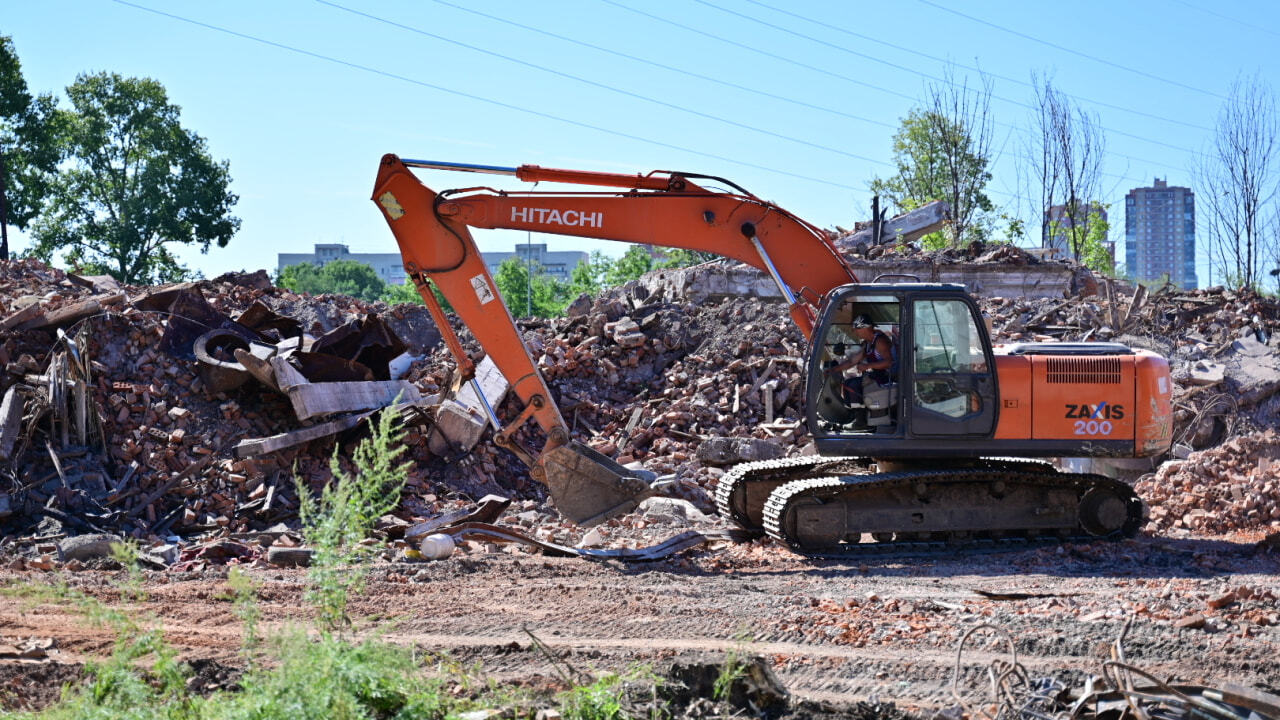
368	341
264	320
221	375
489	509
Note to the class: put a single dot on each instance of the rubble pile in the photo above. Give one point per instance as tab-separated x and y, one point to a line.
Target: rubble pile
1229	488
122	431
650	381
124	414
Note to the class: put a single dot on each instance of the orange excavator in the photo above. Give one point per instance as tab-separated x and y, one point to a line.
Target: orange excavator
932	445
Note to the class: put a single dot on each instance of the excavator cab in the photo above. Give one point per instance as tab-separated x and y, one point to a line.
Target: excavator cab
940	389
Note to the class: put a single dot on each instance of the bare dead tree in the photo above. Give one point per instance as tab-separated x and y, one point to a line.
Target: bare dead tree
1237	183
959	118
1066	152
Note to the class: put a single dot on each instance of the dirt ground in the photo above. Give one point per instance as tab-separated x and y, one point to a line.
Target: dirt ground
835	632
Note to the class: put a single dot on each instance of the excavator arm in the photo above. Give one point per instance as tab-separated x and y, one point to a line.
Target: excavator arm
665	209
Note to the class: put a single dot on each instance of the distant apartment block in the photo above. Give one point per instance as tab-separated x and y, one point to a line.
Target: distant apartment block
390	266
1057	223
1160	234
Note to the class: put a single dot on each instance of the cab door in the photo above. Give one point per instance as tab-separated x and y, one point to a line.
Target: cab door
952	382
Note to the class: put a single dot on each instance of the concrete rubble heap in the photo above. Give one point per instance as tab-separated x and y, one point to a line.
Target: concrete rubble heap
110	425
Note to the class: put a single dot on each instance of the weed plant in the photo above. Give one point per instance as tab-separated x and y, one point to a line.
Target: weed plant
298	673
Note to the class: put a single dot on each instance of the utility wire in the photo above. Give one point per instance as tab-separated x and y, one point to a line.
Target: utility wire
509	106
855	81
670	68
1214	13
736	86
480	98
904	68
600	85
1006	78
611	88
1073	51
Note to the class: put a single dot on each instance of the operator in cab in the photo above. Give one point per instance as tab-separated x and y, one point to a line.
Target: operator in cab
874	360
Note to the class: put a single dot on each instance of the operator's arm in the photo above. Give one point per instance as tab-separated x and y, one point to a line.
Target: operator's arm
844	365
884	349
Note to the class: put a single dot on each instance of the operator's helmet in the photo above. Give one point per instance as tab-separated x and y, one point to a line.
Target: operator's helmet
862	321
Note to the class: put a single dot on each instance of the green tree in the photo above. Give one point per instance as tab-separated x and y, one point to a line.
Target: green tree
340	277
940	157
635	262
1088	240
136	183
28	151
589	276
548	295
394	294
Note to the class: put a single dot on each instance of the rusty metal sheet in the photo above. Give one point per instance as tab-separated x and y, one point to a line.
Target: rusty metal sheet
269	323
369	341
321	367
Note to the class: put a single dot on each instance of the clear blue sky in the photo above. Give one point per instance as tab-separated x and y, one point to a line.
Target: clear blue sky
504	83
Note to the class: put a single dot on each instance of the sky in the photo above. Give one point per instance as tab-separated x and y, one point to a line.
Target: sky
797	102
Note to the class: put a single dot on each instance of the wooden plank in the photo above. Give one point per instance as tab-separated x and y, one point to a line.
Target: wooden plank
257	367
10	421
312	399
264	445
1139	299
73	312
286	375
19	317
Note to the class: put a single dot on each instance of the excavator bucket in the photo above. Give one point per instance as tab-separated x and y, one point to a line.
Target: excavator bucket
589	487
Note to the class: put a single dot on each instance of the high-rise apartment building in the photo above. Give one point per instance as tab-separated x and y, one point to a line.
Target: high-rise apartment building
1160	233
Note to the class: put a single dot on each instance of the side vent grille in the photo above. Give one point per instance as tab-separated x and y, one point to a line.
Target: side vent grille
1084	371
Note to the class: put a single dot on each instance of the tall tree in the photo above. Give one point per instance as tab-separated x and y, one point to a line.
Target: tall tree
1237	179
28	153
137	182
635	262
525	296
942	152
1066	157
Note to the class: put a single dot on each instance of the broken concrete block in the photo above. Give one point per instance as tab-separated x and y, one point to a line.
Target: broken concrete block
10	421
84	547
1207	373
672	511
457	428
731	450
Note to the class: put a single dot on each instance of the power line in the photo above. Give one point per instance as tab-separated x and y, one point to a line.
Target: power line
758	51
725	83
1006	78
944	81
872	86
1073	51
1214	13
602	86
478	98
504	105
670	68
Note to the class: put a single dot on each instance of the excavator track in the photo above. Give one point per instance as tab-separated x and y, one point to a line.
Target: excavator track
743	490
995	505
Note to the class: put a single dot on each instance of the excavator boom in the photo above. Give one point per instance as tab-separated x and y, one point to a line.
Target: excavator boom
661	208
